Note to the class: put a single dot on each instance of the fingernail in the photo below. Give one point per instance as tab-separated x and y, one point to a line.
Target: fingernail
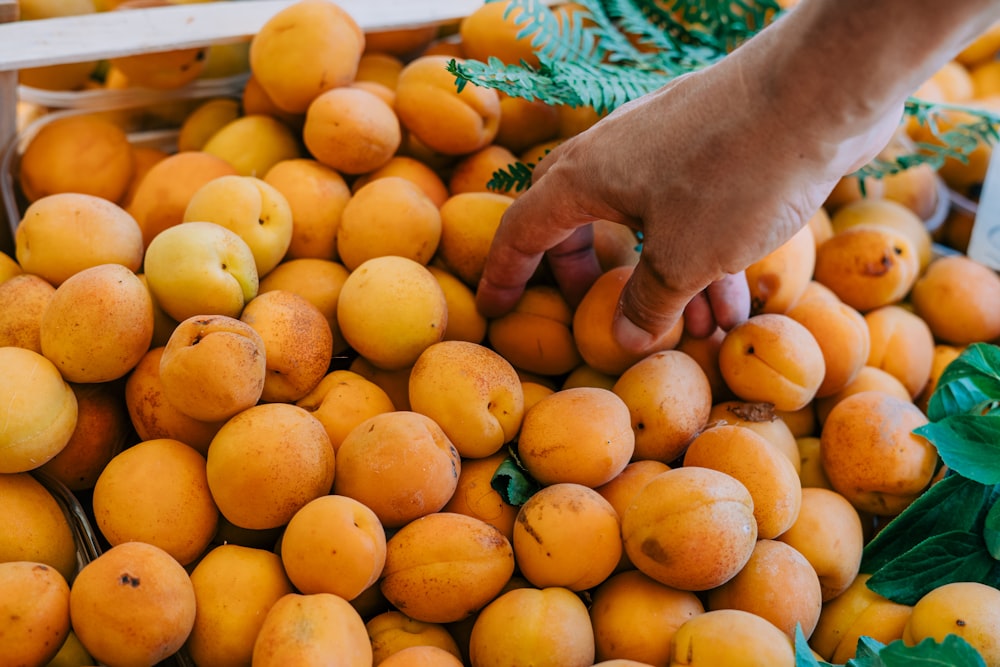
630	336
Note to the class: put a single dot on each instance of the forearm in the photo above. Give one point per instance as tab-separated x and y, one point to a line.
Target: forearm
846	63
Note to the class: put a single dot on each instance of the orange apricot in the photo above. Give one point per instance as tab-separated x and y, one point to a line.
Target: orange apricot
901	344
956	296
777	280
843	337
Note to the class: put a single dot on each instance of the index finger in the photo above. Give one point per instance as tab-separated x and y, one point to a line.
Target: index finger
538	221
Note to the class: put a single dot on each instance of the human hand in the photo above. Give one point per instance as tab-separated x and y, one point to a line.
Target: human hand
711	173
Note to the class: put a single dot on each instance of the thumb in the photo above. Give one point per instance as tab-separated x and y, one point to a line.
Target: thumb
647	310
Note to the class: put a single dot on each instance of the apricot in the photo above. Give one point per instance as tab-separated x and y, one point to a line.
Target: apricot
422	656
869	378
390	310
34	526
413	170
495	30
901	344
317	196
23	299
669	398
162	70
761	418
943	356
968	609
333	544
134	604
857	612
102	430
777	584
557	524
443	567
298	343
614	244
234	588
465	322
468	223
777	280
730	637
766	473
547	627
162	195
400	464
592	326
393	632
472	393
388	216
204	121
475	496
156	491
536	336
151	413
772	358
889	213
252	208
253	143
954	297
277	442
525	123
581	435
395	383
690	528
35	612
811	472
473	172
431	108
342	400
39	410
351	130
308	629
843	337
62	234
705	351
871	455
80	153
213	367
868	266
318	281
821	226
621	490
304	50
635	618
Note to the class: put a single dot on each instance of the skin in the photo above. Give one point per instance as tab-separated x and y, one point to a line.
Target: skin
818	94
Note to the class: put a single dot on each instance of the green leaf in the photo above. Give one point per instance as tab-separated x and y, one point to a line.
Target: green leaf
954	503
940	559
867	653
969	381
803	652
513	483
969	444
991	531
953	651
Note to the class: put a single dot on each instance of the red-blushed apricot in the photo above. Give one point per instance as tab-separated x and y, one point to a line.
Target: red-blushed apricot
581	435
444	567
556	525
871	455
690	528
766	473
772	358
669	398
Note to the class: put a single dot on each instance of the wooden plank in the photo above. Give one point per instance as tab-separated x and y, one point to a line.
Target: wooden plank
122	33
8	120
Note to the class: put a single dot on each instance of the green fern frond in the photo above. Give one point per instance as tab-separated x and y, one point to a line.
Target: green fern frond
515	178
606	86
657	30
515	80
551	40
723	24
956	142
